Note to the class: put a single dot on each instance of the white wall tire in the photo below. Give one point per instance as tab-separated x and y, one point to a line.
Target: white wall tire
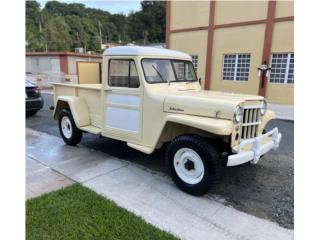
70	134
194	164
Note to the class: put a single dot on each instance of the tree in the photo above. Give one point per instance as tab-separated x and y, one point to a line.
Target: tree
33	26
62	27
57	36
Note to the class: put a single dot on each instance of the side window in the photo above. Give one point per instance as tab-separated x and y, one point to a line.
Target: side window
123	73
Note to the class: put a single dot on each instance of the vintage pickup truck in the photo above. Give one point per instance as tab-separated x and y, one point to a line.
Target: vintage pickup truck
150	98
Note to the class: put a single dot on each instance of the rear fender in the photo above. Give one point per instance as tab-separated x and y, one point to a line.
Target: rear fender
78	107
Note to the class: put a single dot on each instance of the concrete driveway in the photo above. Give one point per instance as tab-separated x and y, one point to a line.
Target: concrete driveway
149	194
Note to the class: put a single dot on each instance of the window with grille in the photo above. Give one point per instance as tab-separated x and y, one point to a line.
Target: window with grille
282	68
236	67
195	62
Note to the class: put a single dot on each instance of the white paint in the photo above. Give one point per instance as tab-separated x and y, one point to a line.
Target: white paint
123	99
180	161
66	127
257	149
123	119
144	51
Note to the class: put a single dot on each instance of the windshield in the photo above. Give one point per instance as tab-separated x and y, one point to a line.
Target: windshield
166	70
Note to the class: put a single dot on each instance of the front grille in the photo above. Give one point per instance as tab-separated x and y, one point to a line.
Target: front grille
250	122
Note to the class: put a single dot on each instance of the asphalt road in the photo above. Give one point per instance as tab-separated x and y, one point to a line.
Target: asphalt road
264	190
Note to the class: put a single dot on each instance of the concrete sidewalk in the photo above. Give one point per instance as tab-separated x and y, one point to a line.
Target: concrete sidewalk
284	112
41	179
150	194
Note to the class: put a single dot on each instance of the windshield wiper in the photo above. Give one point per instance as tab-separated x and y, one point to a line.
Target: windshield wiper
160	74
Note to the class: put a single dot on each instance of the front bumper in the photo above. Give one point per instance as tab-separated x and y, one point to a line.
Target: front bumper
252	149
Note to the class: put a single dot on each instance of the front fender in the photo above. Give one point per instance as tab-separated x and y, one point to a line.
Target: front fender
212	125
78	107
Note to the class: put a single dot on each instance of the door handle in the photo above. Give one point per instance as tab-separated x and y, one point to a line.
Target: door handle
108	90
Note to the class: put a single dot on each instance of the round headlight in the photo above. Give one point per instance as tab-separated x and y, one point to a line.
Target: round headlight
238	114
263	109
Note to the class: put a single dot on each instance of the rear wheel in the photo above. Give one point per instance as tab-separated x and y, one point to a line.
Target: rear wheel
193	163
71	135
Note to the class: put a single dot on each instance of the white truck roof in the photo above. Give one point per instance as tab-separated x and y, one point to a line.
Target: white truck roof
144	51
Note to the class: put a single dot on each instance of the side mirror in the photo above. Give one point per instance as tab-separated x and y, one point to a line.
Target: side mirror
200	80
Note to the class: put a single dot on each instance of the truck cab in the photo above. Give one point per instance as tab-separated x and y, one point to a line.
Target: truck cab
149	97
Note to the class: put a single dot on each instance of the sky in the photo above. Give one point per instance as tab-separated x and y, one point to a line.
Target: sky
120	6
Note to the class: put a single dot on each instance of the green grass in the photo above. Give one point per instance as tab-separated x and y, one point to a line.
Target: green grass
76	212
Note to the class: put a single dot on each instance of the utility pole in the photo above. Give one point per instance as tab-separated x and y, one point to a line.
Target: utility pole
78	40
99	24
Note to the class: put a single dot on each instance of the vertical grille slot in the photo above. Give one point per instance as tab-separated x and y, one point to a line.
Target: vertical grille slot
250	122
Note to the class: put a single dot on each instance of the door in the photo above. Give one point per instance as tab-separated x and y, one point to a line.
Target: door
123	100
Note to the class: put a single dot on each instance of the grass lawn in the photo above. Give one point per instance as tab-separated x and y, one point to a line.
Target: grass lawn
76	212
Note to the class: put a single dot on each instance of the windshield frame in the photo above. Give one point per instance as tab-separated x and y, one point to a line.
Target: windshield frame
171	60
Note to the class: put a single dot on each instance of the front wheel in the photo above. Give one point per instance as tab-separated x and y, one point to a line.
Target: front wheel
71	135
194	164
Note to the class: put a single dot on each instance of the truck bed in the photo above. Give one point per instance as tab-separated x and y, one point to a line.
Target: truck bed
91	94
96	86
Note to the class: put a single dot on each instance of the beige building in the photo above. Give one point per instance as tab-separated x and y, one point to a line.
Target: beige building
230	40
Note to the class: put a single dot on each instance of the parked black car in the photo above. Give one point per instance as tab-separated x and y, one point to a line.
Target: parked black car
34	100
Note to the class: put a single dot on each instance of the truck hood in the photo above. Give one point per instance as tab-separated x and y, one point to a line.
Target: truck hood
207	103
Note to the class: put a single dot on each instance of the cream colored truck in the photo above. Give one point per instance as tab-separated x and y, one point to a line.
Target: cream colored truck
149	97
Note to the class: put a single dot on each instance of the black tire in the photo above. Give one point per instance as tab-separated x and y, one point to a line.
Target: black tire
30	113
76	134
210	159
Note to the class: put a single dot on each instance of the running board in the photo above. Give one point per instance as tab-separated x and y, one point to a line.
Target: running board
145	149
91	129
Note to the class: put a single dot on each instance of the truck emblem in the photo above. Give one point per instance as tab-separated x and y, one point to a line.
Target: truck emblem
176	109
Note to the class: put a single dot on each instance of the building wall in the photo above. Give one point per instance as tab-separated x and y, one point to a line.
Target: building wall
185	15
42	64
227	41
185	42
282	42
72	62
239	11
238	27
55	68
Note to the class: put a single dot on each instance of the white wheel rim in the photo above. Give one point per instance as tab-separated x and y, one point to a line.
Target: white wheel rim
188	165
66	127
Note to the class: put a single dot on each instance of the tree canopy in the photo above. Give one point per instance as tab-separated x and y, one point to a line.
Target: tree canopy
65	26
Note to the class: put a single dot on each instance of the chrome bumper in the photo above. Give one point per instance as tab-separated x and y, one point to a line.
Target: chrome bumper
256	148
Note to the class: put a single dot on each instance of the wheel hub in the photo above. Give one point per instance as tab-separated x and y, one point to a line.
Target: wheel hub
189	165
